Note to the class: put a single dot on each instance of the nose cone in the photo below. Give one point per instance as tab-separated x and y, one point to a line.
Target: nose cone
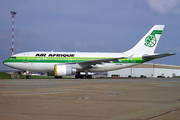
5	62
9	62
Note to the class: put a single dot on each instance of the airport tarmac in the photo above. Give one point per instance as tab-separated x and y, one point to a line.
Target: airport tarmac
90	99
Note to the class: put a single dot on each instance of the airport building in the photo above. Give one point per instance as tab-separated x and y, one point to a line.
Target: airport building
147	70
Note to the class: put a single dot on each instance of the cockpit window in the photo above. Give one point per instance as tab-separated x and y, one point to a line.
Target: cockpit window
12	57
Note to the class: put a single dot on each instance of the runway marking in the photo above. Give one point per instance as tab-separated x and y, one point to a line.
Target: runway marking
144	112
57	90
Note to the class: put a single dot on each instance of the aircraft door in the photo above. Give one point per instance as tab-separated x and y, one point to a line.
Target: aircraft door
26	58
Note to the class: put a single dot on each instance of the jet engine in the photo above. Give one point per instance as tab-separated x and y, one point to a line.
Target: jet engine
63	70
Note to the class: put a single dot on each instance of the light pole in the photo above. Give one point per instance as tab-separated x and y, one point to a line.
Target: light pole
13	15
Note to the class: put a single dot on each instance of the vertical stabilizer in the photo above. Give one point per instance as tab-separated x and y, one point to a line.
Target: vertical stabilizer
149	42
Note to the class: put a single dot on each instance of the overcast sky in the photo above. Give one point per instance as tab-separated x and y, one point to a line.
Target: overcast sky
88	26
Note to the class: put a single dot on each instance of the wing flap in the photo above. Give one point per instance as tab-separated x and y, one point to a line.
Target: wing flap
84	64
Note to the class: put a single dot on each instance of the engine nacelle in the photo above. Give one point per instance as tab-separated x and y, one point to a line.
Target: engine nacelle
63	70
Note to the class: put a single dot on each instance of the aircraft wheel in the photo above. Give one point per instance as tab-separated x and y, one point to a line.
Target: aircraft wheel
77	76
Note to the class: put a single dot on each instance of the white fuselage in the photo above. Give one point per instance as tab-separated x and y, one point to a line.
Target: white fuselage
30	62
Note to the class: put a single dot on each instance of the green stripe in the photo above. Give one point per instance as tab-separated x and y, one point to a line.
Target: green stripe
68	59
156	32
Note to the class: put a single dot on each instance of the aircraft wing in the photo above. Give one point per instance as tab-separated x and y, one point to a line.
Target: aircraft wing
85	64
150	57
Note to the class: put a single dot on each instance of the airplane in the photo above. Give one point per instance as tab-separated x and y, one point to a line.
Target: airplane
60	64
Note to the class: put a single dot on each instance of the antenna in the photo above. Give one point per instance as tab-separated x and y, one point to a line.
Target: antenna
13	15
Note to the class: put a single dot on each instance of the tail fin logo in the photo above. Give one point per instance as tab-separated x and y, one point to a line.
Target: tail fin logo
150	41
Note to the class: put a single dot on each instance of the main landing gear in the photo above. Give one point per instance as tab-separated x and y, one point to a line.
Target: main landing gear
58	77
83	76
28	76
86	76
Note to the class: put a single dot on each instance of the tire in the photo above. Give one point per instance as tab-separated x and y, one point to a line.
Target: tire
77	76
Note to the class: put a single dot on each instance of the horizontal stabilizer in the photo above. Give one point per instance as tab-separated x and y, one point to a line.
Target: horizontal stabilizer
150	57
